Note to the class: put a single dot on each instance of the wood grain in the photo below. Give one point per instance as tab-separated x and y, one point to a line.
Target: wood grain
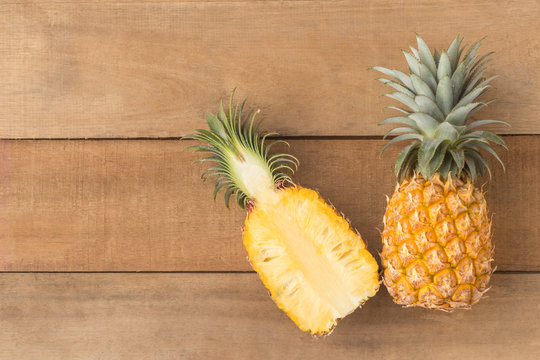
231	316
114	205
111	69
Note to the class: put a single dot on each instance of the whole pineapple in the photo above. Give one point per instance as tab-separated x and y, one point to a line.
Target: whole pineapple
315	266
437	248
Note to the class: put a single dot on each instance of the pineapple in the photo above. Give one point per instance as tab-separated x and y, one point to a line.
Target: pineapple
315	266
437	248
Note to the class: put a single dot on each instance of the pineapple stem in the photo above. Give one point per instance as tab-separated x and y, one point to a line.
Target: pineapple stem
244	167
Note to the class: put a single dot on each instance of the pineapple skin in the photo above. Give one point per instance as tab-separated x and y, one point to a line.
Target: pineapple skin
437	247
315	266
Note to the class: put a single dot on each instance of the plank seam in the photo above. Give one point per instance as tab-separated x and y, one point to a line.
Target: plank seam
288	137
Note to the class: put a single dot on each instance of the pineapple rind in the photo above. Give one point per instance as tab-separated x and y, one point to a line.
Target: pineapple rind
315	266
437	248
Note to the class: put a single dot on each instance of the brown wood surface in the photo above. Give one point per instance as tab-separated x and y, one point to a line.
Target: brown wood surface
116	205
138	69
231	316
152	68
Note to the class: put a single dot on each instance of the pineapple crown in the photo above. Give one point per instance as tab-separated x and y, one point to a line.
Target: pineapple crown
440	95
241	153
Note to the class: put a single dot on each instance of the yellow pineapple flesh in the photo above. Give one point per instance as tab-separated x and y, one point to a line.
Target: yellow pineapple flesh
315	266
437	248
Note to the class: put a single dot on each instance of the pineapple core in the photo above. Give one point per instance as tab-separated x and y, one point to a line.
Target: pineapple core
253	176
316	268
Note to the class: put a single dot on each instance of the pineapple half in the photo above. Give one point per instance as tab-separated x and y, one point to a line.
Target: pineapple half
437	248
315	266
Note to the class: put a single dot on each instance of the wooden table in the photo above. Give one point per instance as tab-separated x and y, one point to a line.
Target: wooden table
110	247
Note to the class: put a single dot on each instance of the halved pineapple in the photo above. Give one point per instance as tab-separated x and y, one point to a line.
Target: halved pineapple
315	266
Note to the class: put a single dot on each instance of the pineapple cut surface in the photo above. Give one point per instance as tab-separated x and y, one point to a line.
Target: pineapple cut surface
316	267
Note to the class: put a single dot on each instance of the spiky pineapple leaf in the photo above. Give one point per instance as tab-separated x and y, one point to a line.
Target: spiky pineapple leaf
437	159
427	150
428	77
459	115
478	123
400	130
425	123
399	120
445	95
453	53
413	62
396	74
446	131
480	162
399	138
421	88
470	97
458	79
428	106
425	55
445	66
404	99
398	87
459	157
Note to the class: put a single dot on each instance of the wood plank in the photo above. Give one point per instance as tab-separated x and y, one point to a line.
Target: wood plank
152	68
114	205
231	316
